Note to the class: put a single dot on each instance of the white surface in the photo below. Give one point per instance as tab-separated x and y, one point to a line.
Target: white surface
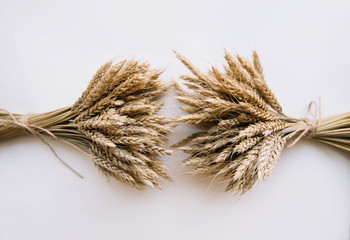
49	51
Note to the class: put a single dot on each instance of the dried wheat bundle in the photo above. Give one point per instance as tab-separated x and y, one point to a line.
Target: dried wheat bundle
114	122
243	127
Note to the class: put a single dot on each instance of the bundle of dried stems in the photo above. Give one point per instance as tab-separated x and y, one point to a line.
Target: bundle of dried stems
114	122
243	127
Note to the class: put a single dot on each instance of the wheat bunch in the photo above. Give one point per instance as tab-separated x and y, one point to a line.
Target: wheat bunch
243	129
114	122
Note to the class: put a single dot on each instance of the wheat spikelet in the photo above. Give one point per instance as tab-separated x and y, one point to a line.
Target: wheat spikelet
243	130
265	153
276	151
246	144
254	129
114	122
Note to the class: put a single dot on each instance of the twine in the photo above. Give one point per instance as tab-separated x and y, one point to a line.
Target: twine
311	124
37	131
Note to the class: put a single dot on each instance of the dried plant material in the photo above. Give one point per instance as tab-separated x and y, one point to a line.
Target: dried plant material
243	129
114	122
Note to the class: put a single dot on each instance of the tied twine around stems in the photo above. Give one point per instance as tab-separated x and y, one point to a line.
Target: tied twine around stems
32	129
311	124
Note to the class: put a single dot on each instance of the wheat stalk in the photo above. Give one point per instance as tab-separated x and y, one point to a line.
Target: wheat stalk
243	128
114	122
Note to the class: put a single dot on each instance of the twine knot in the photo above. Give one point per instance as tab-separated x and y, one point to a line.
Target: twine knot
311	124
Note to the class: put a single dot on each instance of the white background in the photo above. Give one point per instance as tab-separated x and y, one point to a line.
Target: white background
50	49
